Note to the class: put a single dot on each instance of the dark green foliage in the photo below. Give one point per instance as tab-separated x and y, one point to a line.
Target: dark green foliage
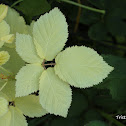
115	16
90	115
79	104
98	3
115	21
116	82
98	31
64	122
107	103
96	123
89	17
31	8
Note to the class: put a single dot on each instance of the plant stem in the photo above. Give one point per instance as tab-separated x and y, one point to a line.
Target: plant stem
16	3
5	70
83	6
50	64
110	118
43	64
3	86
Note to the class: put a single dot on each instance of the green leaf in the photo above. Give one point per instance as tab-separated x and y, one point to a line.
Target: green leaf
115	22
96	123
115	17
98	31
40	121
32	8
89	17
79	104
90	93
120	39
3	106
98	3
106	102
64	122
116	80
118	63
91	115
118	89
113	4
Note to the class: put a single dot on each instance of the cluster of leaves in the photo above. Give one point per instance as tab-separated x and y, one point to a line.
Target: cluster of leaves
109	29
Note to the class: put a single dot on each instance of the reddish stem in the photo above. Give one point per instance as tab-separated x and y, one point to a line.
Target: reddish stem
48	64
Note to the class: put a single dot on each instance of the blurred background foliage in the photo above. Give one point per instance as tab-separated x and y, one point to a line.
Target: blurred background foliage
104	32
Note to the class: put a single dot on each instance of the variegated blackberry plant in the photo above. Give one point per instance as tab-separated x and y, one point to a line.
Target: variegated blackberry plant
29	48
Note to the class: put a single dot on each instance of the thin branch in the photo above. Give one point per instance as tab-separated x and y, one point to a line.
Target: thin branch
83	6
3	86
78	17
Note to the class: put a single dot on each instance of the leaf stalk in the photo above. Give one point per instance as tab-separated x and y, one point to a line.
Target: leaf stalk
16	3
6	70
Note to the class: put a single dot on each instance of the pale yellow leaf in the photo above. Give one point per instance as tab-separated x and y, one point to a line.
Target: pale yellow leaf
4	34
15	21
3	95
50	33
8	38
30	28
28	79
3	11
17	118
3	106
9	90
5	120
4	57
30	106
17	24
55	95
81	67
4	29
26	49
